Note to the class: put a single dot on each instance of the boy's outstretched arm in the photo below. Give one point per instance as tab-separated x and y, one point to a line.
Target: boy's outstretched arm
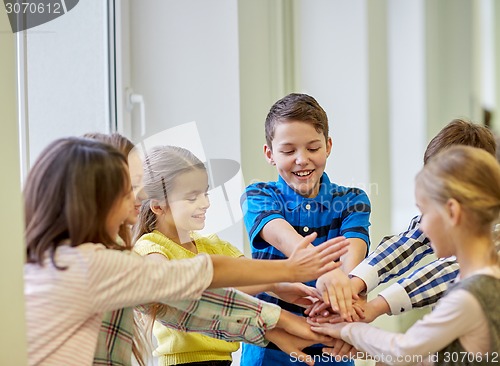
425	286
336	287
281	235
394	256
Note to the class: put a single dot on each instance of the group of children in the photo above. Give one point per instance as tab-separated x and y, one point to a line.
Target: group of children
90	281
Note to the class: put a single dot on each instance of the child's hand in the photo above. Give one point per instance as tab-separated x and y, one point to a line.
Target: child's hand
308	262
291	344
328	329
296	293
336	289
340	347
292	334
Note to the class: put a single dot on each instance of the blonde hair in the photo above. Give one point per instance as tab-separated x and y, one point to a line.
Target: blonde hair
469	175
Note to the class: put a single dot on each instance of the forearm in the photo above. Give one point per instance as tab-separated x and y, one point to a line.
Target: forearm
281	235
356	253
423	287
236	315
235	272
221	329
256	289
393	257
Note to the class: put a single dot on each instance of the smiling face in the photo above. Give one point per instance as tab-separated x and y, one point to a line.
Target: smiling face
435	224
188	202
299	153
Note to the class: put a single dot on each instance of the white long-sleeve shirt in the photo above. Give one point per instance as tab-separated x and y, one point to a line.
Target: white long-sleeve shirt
457	315
64	307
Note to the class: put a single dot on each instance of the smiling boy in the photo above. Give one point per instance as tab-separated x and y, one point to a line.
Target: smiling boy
278	214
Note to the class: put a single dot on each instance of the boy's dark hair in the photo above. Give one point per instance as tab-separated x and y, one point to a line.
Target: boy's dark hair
461	132
296	107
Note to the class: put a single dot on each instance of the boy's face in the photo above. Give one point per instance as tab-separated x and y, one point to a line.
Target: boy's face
299	153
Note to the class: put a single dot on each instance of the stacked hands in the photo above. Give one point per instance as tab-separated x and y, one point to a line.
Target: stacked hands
329	307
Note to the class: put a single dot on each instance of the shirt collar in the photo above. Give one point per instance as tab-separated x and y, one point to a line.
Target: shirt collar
293	199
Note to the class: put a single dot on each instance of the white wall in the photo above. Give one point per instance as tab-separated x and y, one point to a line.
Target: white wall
407	107
184	61
334	69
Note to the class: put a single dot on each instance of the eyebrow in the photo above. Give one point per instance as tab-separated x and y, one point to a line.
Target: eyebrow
292	144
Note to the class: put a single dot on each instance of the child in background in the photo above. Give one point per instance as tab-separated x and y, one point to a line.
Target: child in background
76	196
303	200
458	194
176	183
397	254
119	334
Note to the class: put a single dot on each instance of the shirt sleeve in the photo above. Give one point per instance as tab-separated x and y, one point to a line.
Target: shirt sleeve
230	250
454	316
120	279
226	314
423	287
356	216
394	256
259	206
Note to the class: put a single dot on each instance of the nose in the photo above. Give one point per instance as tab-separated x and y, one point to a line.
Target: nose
205	201
302	158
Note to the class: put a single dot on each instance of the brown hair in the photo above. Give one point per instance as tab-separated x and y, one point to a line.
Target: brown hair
69	193
471	176
162	165
125	146
296	107
461	132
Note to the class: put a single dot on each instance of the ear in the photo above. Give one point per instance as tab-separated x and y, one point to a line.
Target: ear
155	206
454	210
329	144
268	153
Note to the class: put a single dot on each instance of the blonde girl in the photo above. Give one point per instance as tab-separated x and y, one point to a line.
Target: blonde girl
176	183
458	194
76	196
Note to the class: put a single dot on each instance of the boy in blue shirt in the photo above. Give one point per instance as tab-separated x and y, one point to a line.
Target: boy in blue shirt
278	214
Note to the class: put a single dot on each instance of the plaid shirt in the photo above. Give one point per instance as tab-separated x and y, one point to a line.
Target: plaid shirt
114	345
226	314
398	254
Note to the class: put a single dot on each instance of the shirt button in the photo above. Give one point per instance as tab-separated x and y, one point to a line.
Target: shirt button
308	206
306	229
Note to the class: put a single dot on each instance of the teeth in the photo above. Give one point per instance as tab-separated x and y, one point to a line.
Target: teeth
303	174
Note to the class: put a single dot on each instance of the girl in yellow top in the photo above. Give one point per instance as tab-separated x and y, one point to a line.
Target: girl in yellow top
176	183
